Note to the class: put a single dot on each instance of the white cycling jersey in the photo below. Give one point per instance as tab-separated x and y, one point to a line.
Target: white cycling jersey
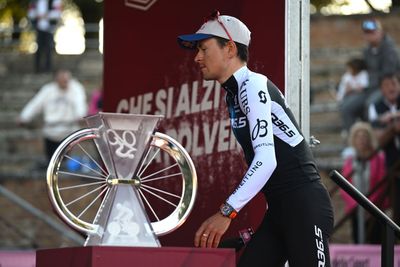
278	156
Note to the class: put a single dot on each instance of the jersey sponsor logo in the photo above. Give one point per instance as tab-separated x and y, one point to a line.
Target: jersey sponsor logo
263	97
319	242
243	97
263	144
260	129
250	172
282	126
253	169
238	122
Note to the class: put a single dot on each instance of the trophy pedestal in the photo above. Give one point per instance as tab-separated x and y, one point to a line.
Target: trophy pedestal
104	256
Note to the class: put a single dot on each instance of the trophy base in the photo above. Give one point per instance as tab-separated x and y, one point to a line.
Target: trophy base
102	256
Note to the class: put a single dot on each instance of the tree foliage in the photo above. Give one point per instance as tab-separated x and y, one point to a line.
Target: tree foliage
16	8
318	4
91	10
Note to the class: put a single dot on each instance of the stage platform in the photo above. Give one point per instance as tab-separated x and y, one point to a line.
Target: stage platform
341	255
103	256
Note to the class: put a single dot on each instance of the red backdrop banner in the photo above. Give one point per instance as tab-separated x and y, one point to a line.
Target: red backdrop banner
146	72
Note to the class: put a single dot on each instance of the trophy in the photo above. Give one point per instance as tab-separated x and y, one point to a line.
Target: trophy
120	182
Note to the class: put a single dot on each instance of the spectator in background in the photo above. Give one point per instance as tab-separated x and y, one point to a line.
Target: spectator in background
380	56
352	93
96	101
62	104
44	15
365	169
384	115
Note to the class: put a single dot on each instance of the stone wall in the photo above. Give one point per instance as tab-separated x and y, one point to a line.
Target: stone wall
345	31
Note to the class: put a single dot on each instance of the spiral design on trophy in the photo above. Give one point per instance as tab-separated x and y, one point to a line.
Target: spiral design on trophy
126	143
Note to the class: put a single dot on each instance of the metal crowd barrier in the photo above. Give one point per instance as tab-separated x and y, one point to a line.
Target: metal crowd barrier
390	228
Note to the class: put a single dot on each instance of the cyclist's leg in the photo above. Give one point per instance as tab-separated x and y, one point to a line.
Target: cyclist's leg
266	247
308	225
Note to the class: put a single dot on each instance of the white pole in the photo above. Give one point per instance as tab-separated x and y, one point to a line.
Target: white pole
297	61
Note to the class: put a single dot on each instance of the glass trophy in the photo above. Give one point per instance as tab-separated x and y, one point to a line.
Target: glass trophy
122	219
104	195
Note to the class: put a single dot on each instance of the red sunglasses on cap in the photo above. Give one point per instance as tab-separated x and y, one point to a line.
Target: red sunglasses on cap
215	16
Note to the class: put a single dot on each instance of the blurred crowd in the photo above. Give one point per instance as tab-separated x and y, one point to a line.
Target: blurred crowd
369	101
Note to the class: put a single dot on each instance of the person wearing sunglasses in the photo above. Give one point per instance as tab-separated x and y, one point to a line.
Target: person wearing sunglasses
299	218
380	56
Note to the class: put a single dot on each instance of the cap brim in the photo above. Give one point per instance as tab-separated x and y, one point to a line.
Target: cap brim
189	41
